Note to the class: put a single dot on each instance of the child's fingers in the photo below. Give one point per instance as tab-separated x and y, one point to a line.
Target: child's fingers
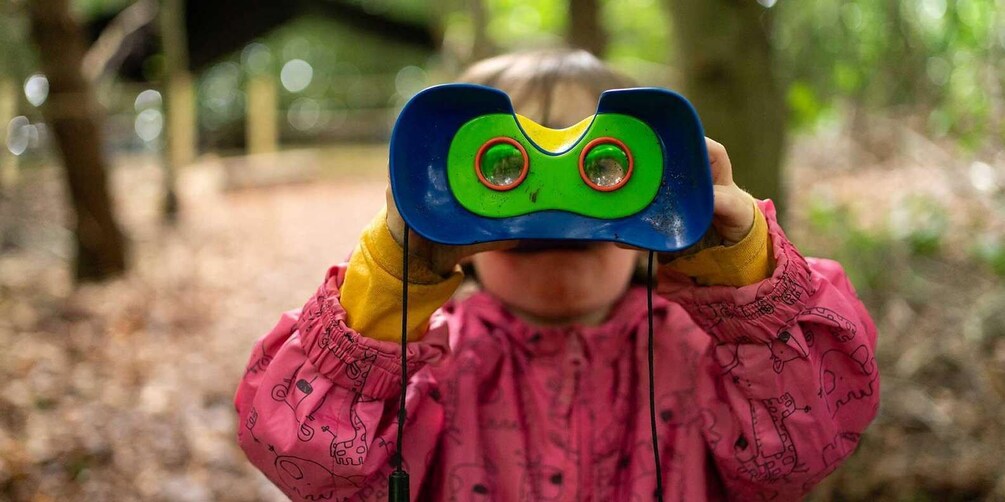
718	159
734	212
394	222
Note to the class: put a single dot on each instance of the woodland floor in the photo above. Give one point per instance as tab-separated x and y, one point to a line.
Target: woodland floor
123	390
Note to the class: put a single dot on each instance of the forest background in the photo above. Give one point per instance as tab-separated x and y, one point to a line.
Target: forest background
175	174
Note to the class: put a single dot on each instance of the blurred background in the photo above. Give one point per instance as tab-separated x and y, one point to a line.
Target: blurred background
174	174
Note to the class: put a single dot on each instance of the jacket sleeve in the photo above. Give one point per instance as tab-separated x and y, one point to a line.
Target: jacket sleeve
318	403
790	380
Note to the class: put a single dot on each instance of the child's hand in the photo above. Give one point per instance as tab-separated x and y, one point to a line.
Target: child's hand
441	258
734	209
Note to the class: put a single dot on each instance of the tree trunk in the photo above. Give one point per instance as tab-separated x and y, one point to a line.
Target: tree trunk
586	31
73	114
481	45
726	60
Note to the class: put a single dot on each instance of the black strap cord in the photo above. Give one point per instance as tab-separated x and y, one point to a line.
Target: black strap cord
397	483
652	386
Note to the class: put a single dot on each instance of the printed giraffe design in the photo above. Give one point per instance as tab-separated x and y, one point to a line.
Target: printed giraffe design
352	450
359	369
773	454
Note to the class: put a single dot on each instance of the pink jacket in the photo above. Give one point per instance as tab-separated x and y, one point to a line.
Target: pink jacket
761	392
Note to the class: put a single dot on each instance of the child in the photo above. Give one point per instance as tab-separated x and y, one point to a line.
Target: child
536	387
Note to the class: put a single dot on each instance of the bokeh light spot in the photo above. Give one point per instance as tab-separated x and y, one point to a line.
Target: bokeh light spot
982	177
256	58
409	81
296	75
933	9
147	99
149	124
18	135
304	114
36	89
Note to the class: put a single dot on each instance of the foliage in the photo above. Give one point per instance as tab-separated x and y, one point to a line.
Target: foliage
338	76
935	57
90	9
16	58
514	25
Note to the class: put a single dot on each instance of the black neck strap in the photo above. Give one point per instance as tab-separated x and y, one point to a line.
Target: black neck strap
397	483
652	379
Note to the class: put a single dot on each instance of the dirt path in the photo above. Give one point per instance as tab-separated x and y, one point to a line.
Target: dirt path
123	391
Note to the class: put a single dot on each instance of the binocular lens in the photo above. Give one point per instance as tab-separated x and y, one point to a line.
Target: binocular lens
502	165
606	165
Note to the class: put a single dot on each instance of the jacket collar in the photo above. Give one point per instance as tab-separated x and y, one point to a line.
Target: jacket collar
606	340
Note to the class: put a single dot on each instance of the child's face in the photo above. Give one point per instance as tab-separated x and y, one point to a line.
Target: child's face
558	286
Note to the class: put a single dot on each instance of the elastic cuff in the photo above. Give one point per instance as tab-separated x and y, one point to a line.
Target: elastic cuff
740	264
752	313
368	367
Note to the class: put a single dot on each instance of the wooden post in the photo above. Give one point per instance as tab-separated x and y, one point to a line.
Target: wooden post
181	118
179	102
262	128
8	109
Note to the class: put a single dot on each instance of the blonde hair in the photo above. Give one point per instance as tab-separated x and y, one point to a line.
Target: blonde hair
555	88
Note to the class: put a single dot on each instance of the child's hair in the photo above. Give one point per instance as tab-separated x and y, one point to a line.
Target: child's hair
555	88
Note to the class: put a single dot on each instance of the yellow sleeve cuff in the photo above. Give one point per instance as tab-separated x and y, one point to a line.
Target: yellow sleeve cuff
741	264
371	291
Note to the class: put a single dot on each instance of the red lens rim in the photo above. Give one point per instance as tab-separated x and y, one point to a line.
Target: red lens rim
603	141
495	141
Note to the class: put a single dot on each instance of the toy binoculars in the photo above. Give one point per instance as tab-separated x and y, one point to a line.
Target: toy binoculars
466	168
